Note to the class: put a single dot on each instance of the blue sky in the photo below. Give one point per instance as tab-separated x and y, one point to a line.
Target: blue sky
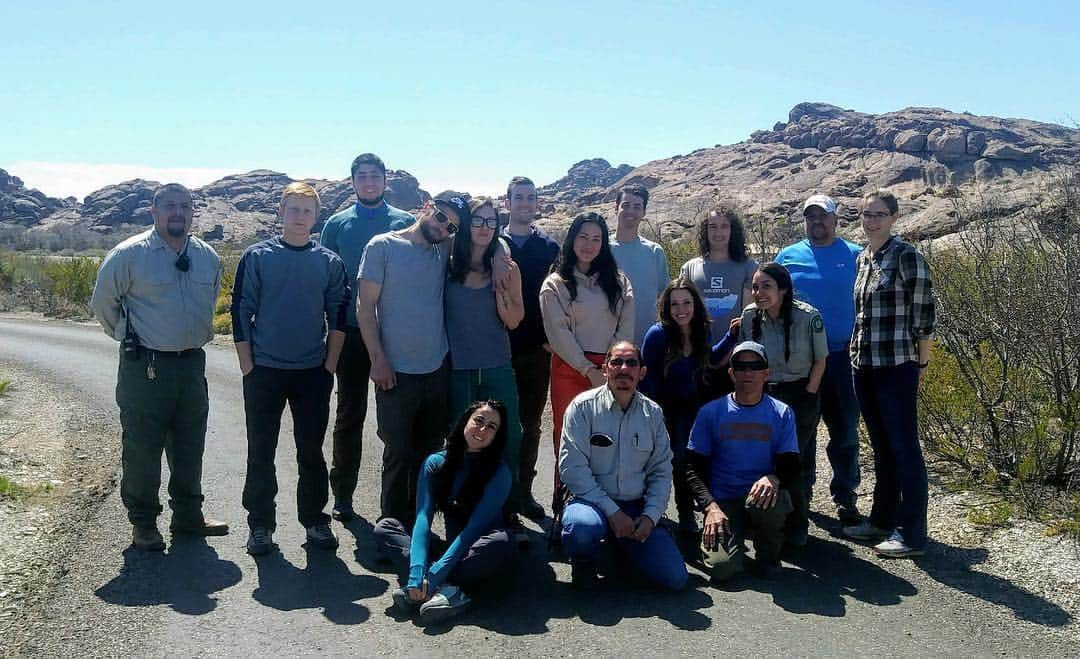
465	96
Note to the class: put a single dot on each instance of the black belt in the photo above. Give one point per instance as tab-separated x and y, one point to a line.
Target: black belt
772	387
171	353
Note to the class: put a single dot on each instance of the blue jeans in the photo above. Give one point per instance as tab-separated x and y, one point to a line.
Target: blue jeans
887	397
470	385
840	411
584	526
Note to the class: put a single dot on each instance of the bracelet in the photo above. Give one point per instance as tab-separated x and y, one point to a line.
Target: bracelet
924	364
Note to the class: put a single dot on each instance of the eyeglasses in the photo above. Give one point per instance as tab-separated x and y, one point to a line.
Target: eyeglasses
619	362
756	365
489	222
183	263
875	216
443	218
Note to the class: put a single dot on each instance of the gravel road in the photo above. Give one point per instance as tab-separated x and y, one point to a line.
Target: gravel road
209	598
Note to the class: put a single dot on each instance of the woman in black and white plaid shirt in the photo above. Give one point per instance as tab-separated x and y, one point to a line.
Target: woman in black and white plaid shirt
890	349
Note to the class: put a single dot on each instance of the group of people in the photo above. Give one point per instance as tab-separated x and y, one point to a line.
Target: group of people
712	384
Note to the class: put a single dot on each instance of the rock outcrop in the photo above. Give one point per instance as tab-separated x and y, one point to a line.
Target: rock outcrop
22	206
239	208
583	181
926	155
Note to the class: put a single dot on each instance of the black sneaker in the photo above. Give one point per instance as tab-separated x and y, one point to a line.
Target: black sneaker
321	536
532	509
343	511
849	515
260	541
402	602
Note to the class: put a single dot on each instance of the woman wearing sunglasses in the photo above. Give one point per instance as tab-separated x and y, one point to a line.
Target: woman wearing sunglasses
467	482
677	355
479	313
895	317
587	305
794	338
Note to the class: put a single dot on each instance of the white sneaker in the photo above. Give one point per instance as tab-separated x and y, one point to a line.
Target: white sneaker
895	547
865	531
447	603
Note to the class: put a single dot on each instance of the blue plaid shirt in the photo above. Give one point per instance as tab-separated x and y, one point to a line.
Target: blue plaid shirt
894	306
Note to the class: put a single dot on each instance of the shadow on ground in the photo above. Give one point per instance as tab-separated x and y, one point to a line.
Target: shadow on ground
325	583
185	578
951	566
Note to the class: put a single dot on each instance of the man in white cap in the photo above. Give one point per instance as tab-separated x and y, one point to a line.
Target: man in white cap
742	455
822	271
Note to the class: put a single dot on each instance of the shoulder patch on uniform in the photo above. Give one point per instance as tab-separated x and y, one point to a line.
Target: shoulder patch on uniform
817	324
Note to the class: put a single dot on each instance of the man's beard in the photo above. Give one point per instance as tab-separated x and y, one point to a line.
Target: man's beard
176	231
377	201
425	231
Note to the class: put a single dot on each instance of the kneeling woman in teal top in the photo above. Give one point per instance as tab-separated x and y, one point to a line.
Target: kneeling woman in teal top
467	482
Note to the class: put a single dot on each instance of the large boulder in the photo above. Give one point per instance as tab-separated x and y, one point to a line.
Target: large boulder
583	178
947	143
128	202
910	141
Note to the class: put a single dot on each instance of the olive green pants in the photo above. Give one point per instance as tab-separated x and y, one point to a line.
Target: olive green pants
166	412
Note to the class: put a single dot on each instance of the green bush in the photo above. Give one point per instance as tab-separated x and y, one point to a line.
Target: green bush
993	516
1002	396
72	279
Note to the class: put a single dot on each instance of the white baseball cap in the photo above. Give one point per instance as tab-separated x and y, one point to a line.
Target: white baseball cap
824	202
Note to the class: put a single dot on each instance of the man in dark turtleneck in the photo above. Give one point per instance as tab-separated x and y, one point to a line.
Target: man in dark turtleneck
348	233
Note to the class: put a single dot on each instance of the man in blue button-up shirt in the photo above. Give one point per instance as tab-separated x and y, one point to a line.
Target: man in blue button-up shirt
615	460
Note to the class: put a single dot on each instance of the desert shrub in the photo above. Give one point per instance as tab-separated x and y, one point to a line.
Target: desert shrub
223	305
72	280
1002	397
992	516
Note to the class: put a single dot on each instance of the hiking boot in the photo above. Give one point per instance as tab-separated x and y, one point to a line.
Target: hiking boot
796	539
865	531
849	515
343	511
895	547
260	541
203	527
322	537
532	509
517	531
447	603
147	538
402	602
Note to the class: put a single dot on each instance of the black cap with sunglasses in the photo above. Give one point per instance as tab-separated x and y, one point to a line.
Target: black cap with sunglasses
456	203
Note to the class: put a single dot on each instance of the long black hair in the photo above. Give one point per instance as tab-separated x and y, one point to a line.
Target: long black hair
461	256
603	265
737	240
482	471
699	325
782	278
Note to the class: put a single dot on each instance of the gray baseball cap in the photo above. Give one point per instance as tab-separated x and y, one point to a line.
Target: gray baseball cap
751	346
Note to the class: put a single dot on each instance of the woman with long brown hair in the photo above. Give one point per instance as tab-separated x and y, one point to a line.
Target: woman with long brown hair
678	357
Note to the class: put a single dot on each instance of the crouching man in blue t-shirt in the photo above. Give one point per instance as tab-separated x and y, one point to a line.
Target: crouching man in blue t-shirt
742	452
287	289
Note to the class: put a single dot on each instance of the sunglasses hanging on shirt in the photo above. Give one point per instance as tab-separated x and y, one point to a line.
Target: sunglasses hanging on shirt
183	263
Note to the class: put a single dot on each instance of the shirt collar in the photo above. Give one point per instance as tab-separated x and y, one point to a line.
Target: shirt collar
367	213
608	398
157	242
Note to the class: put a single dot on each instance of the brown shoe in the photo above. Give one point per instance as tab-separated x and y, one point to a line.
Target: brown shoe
147	538
204	527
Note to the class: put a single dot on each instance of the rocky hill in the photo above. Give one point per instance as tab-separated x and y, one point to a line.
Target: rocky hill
237	209
927	156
